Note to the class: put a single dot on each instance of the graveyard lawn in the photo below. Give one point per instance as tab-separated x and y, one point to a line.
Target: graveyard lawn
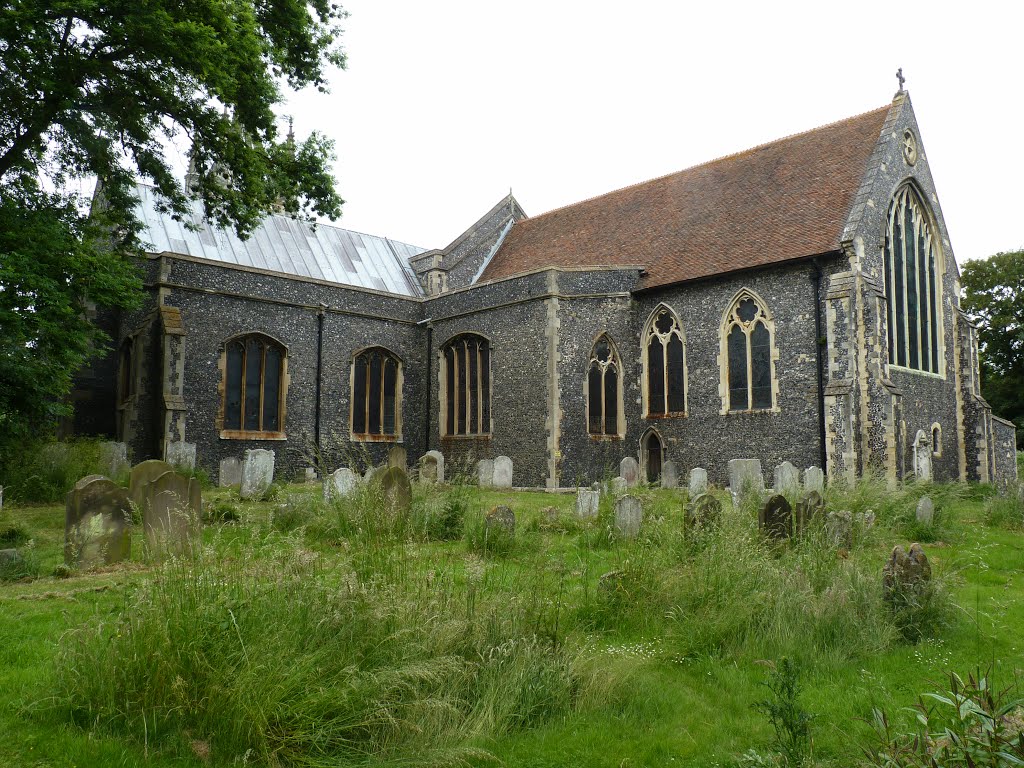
671	656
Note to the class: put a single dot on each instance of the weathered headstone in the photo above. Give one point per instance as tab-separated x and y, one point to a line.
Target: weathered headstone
787	478
171	520
810	506
629	515
230	472
745	478
339	483
432	467
257	473
113	458
181	455
925	511
398	457
618	486
698	481
396	488
502	472
11	559
485	473
669	475
141	475
775	517
839	528
866	520
703	510
629	470
905	573
588	503
97	523
814	479
549	515
501	517
922	457
310	475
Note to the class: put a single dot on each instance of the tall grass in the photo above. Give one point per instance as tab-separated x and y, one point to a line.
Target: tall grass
46	471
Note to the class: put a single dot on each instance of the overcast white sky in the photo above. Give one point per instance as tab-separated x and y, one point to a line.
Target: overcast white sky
446	105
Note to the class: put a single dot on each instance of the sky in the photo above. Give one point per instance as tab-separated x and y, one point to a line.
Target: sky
445	106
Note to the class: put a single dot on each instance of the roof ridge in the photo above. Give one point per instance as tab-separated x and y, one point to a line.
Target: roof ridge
706	163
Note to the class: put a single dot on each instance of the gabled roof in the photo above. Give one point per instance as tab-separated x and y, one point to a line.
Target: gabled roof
286	245
780	201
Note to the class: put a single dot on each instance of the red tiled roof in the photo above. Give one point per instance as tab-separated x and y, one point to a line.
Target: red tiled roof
776	202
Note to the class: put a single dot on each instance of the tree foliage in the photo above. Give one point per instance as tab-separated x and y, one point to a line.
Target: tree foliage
93	89
994	299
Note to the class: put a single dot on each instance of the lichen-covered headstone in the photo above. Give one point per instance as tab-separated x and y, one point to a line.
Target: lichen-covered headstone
171	520
141	476
618	486
310	475
502	477
775	517
398	457
925	511
485	473
396	488
745	478
669	475
339	483
230	472
97	523
629	470
698	481
629	515
787	478
113	458
922	457
810	506
501	517
257	473
588	502
181	455
905	574
814	479
432	467
839	528
703	510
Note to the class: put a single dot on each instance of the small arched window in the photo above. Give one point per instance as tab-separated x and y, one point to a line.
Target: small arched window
376	394
126	371
466	386
936	440
664	365
254	386
747	354
604	392
912	286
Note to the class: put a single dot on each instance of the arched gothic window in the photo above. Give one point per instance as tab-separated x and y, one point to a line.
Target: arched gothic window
376	394
466	386
664	364
604	392
126	371
912	285
747	342
254	386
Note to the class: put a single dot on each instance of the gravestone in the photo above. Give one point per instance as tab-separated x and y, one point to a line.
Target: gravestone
171	519
839	528
432	467
814	479
395	487
787	478
54	453
114	458
922	456
629	514
703	510
485	473
925	511
629	470
257	473
230	472
502	477
775	517
398	457
905	574
141	475
310	475
698	481
181	455
549	515
339	483
501	517
810	506
618	486
745	478
97	523
867	520
11	559
669	475
1	497
588	502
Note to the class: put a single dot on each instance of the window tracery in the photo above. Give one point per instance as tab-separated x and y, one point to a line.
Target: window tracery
664	365
376	394
466	386
254	375
748	355
604	390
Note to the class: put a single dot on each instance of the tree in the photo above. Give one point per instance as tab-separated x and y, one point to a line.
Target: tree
994	299
100	89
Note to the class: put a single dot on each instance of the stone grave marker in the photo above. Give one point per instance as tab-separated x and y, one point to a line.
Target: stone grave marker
141	475
396	488
310	475
703	510
698	481
485	473
787	478
398	457
257	473
181	455
11	559
97	523
925	511
810	506
171	519
230	472
588	502
629	515
502	477
501	517
905	574
814	479
339	483
922	456
669	475
114	458
629	470
745	477
549	515
775	517
432	467
618	486
839	528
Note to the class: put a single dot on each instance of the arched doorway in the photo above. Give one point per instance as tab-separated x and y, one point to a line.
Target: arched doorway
652	453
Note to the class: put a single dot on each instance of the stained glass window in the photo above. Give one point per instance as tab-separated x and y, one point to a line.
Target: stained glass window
603	389
748	355
253	396
665	365
375	393
467	386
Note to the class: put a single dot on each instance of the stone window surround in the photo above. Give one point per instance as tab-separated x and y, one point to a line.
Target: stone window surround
936	433
649	331
127	380
248	434
616	363
399	381
442	389
728	321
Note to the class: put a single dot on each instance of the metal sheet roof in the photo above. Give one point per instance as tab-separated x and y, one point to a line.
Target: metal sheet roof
282	244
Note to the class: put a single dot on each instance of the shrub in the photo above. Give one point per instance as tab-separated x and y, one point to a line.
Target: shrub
46	471
791	723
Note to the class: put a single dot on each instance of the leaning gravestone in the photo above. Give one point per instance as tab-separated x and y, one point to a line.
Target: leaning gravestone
114	458
485	473
905	574
501	517
775	517
810	506
745	478
432	467
669	475
814	479
787	478
339	483
629	470
257	473
171	519
141	476
629	514
396	488
925	511
588	502
502	477
698	481
703	510
230	472
398	457
97	523
181	455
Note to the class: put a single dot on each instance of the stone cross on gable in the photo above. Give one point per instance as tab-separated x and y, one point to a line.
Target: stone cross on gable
901	78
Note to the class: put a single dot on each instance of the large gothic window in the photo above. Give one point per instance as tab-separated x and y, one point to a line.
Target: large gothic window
466	386
604	390
664	365
253	386
376	394
747	342
912	286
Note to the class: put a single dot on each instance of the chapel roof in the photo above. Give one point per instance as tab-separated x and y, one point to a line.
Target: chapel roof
784	200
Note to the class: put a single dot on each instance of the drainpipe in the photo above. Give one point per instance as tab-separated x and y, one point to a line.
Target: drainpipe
319	370
430	370
822	453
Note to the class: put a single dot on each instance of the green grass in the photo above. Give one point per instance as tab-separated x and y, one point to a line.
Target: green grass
307	633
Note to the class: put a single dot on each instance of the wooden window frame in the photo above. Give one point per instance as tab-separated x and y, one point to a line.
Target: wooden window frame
254	434
732	320
614	362
650	333
446	390
370	437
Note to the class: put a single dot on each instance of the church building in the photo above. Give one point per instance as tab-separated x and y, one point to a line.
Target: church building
796	301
